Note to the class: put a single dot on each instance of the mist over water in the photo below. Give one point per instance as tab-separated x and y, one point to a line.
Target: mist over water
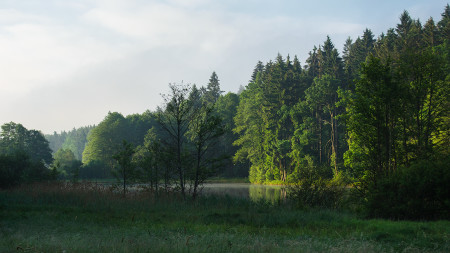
270	193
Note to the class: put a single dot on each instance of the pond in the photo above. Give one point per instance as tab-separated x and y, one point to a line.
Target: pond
254	192
271	193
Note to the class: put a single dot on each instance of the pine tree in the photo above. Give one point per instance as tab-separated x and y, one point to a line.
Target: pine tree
212	91
259	68
444	25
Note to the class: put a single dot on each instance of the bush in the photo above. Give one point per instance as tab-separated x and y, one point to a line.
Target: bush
418	192
94	169
11	168
17	168
314	188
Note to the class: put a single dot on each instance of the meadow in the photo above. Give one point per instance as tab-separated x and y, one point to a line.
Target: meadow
87	218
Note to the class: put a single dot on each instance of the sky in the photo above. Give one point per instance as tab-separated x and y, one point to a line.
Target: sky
66	64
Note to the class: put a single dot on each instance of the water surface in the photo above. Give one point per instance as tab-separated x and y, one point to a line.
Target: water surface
272	193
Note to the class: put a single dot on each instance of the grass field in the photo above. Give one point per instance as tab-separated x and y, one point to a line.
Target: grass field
58	218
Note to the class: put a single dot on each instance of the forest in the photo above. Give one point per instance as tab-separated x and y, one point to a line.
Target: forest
357	142
374	118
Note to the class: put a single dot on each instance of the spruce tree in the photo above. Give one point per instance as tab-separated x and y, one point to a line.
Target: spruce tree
212	92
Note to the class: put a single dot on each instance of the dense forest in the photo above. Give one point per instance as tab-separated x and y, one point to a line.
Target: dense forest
375	117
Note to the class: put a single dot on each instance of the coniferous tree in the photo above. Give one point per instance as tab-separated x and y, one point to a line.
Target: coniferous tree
258	69
444	25
212	91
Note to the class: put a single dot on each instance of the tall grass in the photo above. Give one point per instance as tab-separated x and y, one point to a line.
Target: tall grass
93	218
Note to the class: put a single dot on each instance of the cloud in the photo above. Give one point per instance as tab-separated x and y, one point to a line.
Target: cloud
155	24
67	63
35	53
37	50
116	55
11	16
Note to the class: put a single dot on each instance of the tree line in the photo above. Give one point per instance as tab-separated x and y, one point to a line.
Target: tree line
372	116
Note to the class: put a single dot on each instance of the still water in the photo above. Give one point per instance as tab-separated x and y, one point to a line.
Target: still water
271	193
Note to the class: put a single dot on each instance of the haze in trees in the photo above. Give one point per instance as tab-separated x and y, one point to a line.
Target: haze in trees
370	118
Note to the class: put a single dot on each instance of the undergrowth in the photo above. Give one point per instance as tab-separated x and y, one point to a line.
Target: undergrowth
93	218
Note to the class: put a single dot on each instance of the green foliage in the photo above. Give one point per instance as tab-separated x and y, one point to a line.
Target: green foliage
16	138
226	108
24	156
372	115
378	113
124	158
417	192
66	163
75	140
313	186
192	129
56	140
212	92
18	168
263	119
204	132
11	169
105	140
397	119
154	162
86	218
175	119
95	169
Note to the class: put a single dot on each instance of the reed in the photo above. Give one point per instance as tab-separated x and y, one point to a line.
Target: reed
93	218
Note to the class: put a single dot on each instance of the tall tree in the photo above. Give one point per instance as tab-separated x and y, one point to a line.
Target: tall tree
250	129
24	155
204	132
226	108
175	119
373	113
153	161
323	94
15	137
212	92
125	160
312	61
444	25
105	140
259	68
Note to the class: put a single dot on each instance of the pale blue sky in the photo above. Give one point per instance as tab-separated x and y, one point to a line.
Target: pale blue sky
65	64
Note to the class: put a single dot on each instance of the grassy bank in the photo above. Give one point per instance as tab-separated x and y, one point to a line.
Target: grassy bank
85	219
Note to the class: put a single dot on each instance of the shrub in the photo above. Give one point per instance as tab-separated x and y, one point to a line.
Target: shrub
94	169
11	168
314	189
17	168
420	191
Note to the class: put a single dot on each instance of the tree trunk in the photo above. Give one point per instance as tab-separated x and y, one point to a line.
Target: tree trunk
124	182
427	132
320	136
333	142
180	170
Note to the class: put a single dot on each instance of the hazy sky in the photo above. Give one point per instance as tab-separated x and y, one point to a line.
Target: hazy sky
66	63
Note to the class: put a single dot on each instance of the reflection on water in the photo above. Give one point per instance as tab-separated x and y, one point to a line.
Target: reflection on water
271	193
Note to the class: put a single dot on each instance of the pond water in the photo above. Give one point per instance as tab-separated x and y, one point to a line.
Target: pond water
271	193
254	192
